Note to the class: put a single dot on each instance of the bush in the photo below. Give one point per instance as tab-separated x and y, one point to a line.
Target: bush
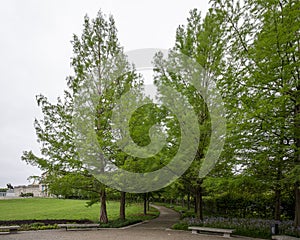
187	215
37	224
256	228
180	226
119	223
26	195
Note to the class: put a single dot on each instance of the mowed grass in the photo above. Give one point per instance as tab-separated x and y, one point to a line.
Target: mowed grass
47	208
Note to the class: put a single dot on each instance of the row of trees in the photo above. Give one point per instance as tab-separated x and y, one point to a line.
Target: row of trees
249	50
260	83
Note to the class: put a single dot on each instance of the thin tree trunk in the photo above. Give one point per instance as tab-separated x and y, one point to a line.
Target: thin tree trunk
297	162
122	205
148	201
103	212
189	201
145	203
199	202
297	205
277	214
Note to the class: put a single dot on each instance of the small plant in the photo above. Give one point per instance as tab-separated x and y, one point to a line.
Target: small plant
37	224
180	226
119	223
26	194
187	215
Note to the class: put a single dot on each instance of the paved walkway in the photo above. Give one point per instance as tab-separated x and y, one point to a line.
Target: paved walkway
166	219
157	229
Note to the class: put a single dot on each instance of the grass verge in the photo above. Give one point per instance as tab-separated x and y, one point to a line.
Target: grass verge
46	213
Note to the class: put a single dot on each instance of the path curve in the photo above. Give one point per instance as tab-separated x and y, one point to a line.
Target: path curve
165	220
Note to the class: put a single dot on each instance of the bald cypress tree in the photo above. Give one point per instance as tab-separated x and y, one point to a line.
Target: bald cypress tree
261	87
97	58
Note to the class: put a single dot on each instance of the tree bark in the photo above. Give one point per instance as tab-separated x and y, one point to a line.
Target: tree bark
122	205
189	201
297	206
145	203
103	212
199	201
297	161
277	214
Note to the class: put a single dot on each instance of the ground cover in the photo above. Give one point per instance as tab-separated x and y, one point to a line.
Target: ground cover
255	228
44	213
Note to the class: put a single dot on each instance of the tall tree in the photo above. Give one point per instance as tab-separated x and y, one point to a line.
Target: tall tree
200	41
98	60
261	85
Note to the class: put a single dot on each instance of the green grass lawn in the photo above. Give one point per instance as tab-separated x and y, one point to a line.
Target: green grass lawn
47	208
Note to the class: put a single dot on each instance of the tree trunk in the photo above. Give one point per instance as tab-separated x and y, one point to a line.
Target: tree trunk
148	201
189	201
277	213
122	205
277	204
103	212
145	203
297	162
199	202
297	206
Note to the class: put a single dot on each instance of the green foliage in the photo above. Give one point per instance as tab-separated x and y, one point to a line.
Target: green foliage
119	223
250	50
26	195
98	59
260	85
37	226
180	226
201	42
254	228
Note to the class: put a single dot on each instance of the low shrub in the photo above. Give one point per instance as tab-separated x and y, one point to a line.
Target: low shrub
180	226
119	223
256	228
187	215
37	224
26	195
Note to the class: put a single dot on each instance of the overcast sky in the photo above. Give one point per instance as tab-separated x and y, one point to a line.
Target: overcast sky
35	52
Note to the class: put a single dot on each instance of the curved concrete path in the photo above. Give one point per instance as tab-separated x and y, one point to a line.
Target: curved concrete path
166	219
157	229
